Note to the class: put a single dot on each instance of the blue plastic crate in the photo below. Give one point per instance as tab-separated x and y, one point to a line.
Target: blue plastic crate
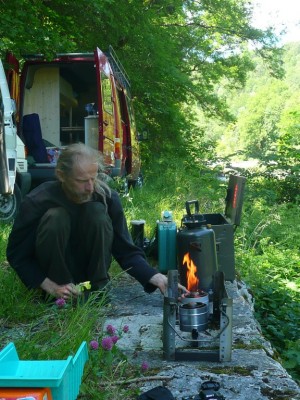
63	377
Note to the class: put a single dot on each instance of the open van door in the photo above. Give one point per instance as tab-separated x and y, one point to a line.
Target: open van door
108	119
130	152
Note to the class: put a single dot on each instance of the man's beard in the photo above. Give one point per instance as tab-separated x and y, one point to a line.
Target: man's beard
83	198
77	198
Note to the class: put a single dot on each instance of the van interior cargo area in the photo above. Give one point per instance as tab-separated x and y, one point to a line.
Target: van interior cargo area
69	87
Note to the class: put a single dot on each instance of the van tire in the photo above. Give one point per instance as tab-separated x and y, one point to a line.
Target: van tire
9	205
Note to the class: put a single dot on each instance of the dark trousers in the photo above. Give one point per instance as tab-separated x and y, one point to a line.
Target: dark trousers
76	248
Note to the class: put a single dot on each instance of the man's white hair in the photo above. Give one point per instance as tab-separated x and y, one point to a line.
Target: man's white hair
74	154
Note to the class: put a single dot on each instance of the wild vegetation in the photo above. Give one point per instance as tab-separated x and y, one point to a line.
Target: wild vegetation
266	126
203	98
174	52
267	258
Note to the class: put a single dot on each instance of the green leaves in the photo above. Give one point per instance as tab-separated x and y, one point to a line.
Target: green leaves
175	52
269	261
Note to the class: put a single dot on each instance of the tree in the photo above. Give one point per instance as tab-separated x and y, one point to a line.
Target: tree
175	52
266	126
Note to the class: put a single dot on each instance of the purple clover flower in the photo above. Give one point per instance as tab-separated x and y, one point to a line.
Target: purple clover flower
125	328
107	343
110	330
144	366
114	339
60	302
94	345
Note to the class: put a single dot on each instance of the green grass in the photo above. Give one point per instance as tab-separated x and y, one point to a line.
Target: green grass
267	258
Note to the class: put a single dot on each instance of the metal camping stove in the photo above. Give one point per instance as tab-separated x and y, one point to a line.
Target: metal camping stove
199	326
207	319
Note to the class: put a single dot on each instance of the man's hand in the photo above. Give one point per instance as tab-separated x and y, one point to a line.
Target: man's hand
161	281
59	291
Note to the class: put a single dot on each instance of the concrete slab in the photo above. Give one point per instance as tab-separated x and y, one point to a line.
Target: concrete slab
252	374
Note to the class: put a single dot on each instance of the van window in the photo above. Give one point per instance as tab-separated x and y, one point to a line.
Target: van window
107	94
131	114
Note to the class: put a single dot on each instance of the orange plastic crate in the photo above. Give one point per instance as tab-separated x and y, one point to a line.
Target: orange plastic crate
62	377
25	394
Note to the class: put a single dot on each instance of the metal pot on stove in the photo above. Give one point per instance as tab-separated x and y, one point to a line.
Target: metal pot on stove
196	247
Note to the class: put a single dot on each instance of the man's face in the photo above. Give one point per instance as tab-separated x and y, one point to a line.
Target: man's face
79	185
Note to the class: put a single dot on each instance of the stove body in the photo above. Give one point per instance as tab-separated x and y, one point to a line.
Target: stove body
186	337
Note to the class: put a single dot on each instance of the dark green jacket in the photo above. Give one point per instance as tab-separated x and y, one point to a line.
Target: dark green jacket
21	243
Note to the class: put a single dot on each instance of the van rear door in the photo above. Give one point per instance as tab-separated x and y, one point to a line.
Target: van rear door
109	135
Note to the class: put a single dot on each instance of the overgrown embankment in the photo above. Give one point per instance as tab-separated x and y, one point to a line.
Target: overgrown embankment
267	258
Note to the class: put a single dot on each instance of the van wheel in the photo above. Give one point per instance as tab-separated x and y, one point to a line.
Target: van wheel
9	205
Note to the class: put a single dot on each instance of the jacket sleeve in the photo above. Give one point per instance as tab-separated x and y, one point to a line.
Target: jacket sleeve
130	257
20	250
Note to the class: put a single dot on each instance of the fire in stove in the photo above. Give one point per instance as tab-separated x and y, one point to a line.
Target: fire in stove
194	297
191	271
193	307
196	294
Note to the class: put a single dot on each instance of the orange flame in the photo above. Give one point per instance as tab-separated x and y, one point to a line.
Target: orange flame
192	280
